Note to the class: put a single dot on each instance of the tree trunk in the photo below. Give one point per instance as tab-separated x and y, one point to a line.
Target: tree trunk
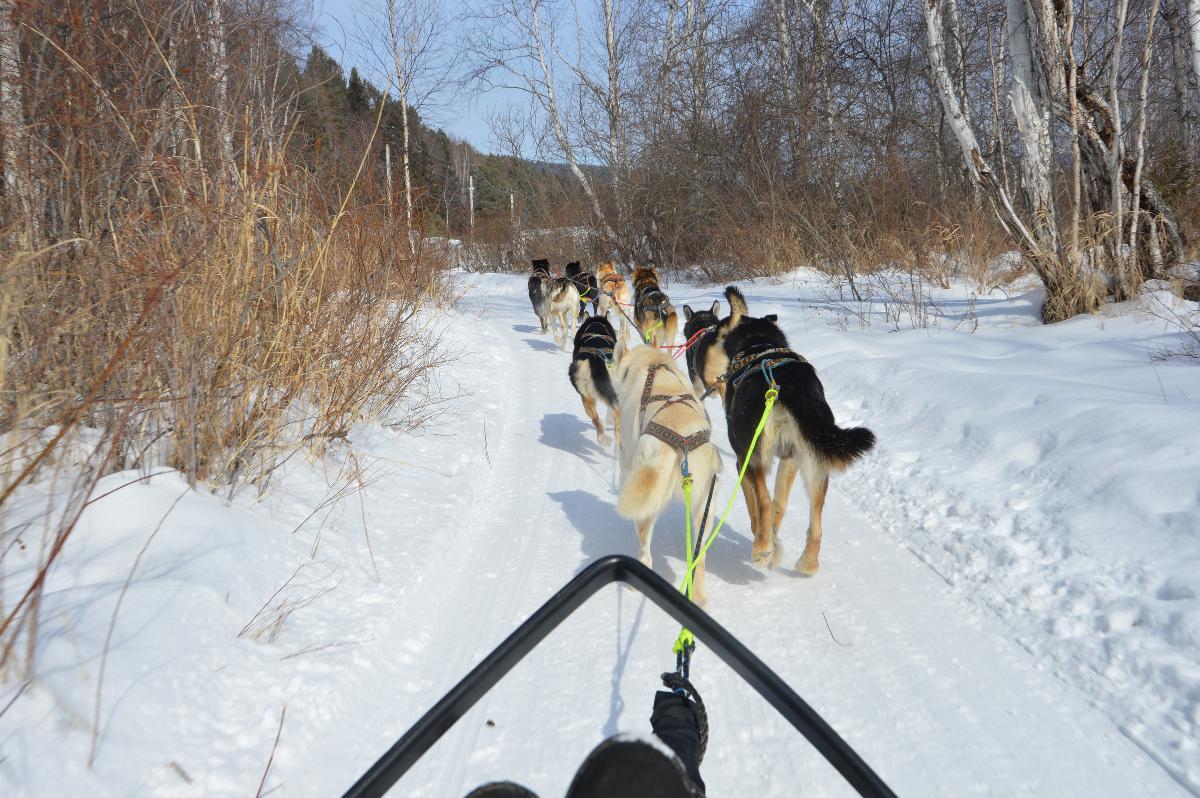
12	127
1064	298
1031	106
1175	15
405	157
666	68
220	76
1193	25
616	154
1135	216
556	125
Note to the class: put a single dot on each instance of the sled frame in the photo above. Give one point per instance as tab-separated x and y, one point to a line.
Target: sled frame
616	568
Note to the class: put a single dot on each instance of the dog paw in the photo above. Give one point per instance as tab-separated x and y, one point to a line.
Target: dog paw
763	557
605	440
776	556
807	565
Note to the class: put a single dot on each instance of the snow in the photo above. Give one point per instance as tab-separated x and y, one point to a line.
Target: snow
1008	601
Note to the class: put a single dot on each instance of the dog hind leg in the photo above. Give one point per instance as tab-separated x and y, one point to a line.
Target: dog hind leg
818	486
616	414
645	531
785	475
758	503
589	406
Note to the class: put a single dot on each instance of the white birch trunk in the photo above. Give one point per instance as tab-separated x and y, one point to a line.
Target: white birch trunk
1117	152
387	171
556	125
972	156
407	161
1181	69
784	32
1193	25
1140	150
616	157
12	125
220	76
401	34
1031	107
668	59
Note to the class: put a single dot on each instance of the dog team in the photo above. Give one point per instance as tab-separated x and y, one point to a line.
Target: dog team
660	422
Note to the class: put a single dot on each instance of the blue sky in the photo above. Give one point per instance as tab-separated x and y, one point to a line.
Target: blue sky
461	115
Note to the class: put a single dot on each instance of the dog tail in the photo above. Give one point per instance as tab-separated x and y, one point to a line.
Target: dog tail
838	447
670	327
737	305
647	490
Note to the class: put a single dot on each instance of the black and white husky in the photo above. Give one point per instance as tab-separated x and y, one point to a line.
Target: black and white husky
585	284
591	361
539	290
705	358
801	432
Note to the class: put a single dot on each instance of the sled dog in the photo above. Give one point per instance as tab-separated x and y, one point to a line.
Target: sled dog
614	292
562	308
591	361
801	432
706	358
661	423
539	288
652	311
585	284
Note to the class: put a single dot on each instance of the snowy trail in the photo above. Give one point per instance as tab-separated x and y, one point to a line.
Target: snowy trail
932	693
980	624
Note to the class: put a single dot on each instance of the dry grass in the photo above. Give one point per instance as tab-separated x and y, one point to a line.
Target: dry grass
210	320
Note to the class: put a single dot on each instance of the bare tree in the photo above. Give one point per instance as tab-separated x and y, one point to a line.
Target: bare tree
214	35
514	47
409	38
12	123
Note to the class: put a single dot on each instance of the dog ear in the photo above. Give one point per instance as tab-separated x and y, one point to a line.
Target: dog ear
687	313
716	308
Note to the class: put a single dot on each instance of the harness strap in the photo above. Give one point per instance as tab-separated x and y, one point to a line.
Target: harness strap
667	399
676	441
744	364
601	336
604	354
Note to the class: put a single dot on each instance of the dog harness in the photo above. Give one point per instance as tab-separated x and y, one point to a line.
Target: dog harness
605	353
668	436
766	361
643	299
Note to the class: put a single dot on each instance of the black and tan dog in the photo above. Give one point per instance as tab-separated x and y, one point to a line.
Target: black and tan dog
652	311
801	432
706	359
539	290
590	364
585	284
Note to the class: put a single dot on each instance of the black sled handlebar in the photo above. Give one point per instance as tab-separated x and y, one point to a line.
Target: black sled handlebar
616	568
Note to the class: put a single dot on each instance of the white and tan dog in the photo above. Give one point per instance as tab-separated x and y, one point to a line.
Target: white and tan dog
661	420
562	311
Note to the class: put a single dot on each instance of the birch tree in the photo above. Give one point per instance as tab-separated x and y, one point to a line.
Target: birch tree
409	40
1031	106
214	36
514	47
12	125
